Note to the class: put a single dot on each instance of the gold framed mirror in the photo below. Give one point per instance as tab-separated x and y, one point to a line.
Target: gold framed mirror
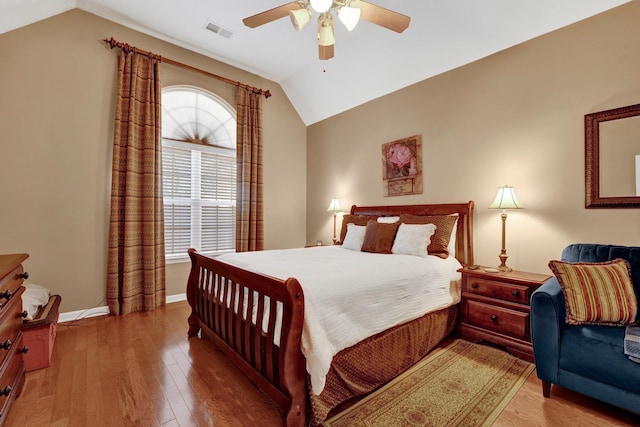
612	158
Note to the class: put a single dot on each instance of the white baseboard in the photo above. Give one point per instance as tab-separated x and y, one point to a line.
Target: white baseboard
102	311
176	298
83	314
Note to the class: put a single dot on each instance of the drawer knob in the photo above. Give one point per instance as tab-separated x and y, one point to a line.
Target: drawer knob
5	391
516	294
475	285
6	294
24	314
6	345
24	275
24	350
494	318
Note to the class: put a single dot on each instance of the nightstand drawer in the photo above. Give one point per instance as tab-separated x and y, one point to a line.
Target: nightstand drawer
498	319
501	290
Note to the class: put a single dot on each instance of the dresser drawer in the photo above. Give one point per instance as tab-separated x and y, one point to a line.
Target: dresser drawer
10	283
11	358
10	323
11	377
498	319
501	290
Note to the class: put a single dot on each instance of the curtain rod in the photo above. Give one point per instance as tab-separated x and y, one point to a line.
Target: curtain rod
123	46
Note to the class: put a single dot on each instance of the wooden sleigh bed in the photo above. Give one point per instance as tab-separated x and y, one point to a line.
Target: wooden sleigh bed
216	290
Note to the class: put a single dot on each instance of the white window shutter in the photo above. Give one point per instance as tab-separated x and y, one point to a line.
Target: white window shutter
199	173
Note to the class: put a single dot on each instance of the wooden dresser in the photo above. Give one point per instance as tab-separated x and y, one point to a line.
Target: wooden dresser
495	308
12	371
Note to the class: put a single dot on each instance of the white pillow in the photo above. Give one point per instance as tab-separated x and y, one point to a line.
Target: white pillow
33	297
388	219
413	239
355	237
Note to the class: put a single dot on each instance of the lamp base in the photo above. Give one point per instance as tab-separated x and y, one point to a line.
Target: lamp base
503	261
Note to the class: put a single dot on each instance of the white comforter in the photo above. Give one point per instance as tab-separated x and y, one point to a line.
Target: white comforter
351	295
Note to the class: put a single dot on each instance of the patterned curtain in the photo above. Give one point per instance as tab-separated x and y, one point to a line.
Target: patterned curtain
136	267
249	203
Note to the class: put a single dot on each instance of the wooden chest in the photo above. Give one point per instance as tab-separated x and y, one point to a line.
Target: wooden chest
39	335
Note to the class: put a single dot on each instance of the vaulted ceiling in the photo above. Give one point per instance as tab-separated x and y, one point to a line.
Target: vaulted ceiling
369	61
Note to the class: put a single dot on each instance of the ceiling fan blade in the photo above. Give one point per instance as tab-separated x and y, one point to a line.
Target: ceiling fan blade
378	15
325	52
271	14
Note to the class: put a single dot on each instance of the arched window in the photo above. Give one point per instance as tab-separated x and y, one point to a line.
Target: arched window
198	172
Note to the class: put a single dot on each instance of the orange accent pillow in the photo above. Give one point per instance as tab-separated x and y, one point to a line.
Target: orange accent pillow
379	237
597	292
440	239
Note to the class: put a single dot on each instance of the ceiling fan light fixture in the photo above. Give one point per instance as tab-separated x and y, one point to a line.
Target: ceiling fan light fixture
300	18
350	12
325	30
349	16
321	6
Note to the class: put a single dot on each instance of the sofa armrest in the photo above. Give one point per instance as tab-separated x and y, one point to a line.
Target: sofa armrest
548	314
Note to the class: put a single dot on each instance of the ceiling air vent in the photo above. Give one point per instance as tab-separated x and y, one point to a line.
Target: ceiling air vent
220	30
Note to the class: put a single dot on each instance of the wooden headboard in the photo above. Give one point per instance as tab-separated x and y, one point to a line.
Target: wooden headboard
464	229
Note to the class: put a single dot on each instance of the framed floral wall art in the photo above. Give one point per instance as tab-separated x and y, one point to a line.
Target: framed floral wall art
402	166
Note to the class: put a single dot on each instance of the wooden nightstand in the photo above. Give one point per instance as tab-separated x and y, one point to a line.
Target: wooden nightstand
495	308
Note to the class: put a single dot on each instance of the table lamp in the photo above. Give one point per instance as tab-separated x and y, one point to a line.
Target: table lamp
334	207
505	199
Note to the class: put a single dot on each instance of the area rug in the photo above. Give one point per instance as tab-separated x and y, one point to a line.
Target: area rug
463	384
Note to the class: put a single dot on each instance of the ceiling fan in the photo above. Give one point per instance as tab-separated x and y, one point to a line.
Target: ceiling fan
349	12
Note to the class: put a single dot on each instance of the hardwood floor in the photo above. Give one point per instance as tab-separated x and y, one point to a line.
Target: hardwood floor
141	370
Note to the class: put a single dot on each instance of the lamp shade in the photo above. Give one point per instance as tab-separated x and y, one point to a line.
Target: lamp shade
349	16
325	30
300	18
334	206
506	199
321	6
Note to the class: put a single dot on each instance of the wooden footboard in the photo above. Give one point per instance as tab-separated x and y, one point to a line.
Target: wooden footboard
238	310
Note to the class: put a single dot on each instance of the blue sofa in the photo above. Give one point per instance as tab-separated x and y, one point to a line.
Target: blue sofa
588	359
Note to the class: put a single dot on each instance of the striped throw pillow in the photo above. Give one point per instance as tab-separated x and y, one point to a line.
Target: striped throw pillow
597	293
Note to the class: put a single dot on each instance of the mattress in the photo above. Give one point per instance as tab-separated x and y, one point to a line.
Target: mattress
352	295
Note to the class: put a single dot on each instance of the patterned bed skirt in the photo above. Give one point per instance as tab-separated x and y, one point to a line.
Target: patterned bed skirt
358	370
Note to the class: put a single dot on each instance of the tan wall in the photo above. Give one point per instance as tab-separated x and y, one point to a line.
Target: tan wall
514	118
57	91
